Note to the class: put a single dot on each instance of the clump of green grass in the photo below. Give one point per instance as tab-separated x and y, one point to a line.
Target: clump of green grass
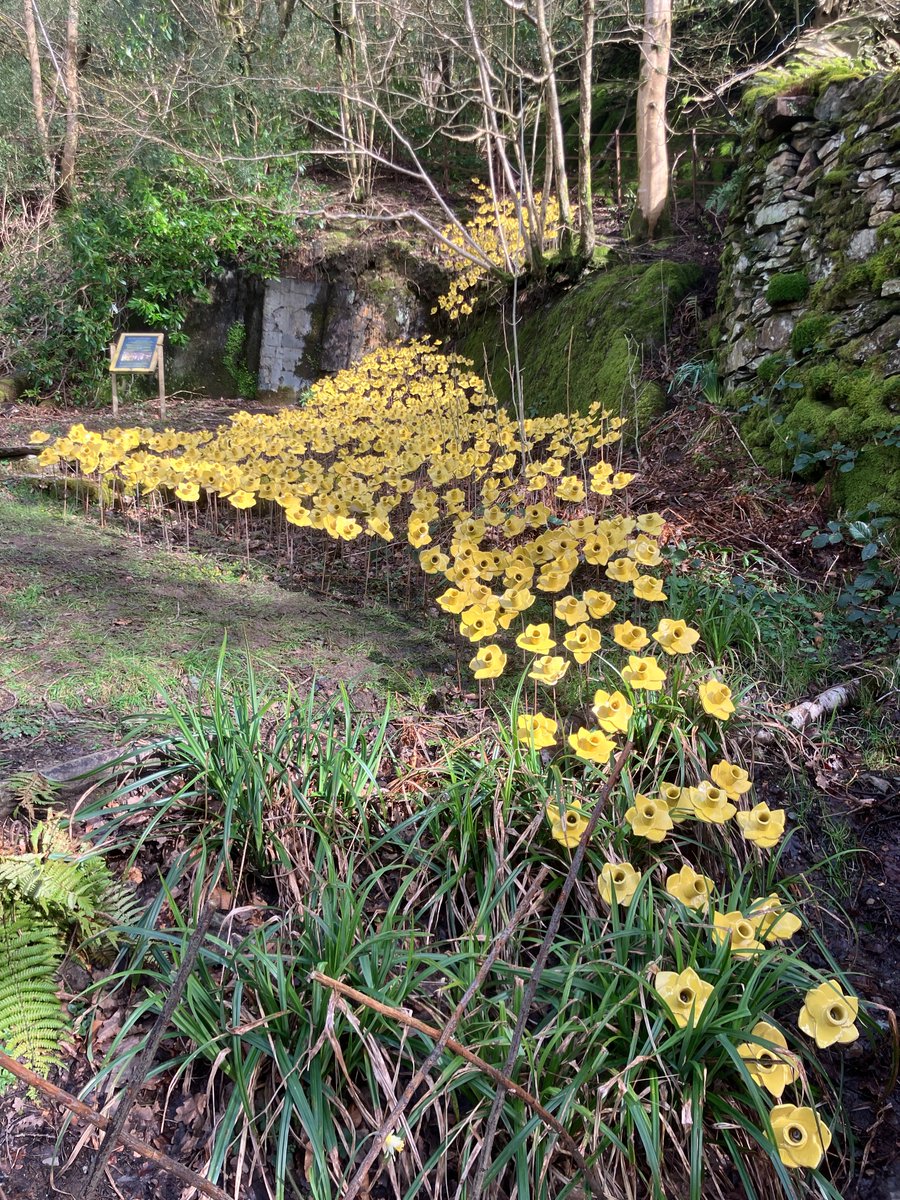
397	881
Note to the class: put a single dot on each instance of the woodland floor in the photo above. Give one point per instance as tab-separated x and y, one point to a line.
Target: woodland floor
95	625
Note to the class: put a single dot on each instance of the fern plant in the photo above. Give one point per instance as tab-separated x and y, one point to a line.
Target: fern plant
53	897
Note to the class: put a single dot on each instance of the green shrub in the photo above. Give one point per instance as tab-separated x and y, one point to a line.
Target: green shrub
789	288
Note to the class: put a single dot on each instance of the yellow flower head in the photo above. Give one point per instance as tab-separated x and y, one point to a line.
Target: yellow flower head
617	882
622	570
828	1015
582	642
454	600
489	662
552	579
737	929
630	637
678	800
768	1068
394	1145
734	781
762	825
646	552
648	587
567	823
715	697
612	710
675	637
477	622
691	888
597	549
433	562
651	523
571	610
188	491
800	1137
548	669
536	638
538	731
644	674
684	993
592	745
711	805
649	818
570	489
773	923
242	499
598	603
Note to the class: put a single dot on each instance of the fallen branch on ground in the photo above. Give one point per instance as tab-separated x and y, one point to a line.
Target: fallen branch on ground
404	1018
85	1113
802	715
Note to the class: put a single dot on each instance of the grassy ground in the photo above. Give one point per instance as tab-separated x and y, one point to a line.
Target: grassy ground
94	627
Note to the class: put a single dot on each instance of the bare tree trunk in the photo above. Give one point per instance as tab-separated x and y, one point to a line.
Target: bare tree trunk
70	79
554	118
37	87
652	149
587	237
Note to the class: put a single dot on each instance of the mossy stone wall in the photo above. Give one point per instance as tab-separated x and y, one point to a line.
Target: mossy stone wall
810	287
595	342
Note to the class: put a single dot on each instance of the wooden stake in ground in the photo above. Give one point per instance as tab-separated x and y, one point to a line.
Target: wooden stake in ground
85	1113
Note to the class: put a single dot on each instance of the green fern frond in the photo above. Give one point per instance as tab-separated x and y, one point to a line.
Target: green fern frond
32	1019
28	790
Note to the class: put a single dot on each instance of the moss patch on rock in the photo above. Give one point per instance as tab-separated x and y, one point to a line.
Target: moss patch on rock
589	344
788	288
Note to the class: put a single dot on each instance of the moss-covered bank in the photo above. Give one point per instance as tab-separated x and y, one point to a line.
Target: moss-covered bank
590	344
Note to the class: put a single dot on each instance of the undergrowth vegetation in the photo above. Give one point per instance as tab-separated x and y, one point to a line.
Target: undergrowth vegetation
681	1014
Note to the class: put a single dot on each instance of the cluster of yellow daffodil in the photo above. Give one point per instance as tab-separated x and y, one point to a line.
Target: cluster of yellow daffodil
827	1014
496	232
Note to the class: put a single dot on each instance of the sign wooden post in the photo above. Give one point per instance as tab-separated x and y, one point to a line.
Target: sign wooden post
138	354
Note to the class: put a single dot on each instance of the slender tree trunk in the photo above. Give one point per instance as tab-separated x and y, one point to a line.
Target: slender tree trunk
70	78
652	149
37	87
587	237
554	117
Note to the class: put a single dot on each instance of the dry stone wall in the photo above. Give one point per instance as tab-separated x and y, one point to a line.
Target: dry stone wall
809	300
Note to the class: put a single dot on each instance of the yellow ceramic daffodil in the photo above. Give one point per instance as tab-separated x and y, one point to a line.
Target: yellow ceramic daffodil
800	1136
684	993
649	818
621	570
571	610
715	697
433	562
570	489
773	923
648	587
650	523
582	642
536	638
711	804
617	883
678	800
477	622
242	499
548	669
551	579
538	731
767	1067
644	674
733	780
737	929
630	637
598	603
592	745
489	662
762	825
675	637
612	710
567	823
829	1016
691	888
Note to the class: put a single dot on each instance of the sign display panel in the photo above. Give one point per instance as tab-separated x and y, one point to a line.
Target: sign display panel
137	352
